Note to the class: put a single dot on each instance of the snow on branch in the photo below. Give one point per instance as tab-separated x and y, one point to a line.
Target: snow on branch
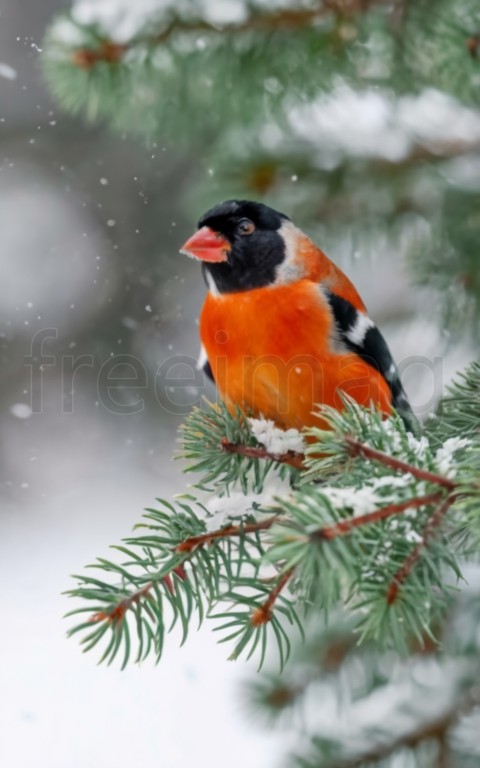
364	517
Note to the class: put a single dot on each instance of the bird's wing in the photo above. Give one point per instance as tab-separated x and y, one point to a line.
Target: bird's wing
203	364
359	334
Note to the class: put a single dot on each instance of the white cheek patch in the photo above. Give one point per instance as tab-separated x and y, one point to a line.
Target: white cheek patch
289	270
202	359
357	332
212	286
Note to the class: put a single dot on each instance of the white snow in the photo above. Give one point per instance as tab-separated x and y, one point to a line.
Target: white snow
374	123
8	72
397	481
68	33
359	500
49	688
413	536
85	490
123	19
276	440
21	410
419	445
446	454
237	504
367	499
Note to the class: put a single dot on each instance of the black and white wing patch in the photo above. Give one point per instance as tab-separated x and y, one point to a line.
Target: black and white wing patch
358	333
204	365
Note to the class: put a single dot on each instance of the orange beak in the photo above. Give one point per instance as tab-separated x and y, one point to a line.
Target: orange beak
207	245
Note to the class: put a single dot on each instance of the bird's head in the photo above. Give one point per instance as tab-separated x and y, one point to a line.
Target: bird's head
242	245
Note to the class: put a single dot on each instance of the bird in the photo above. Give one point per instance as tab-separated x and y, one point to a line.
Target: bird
283	330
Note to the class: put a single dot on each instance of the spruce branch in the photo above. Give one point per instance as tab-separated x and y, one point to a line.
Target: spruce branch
458	412
356	448
221	447
263	614
107	51
375	535
198	571
346	526
118	611
473	45
86	58
433	729
412	559
384	711
289	19
294	460
312	562
192	543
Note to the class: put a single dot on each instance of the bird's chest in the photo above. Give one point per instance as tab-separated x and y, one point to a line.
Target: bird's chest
265	346
282	320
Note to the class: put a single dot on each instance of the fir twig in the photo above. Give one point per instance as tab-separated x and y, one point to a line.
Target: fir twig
263	614
340	548
294	460
346	526
429	531
193	542
473	45
284	19
107	51
357	448
117	613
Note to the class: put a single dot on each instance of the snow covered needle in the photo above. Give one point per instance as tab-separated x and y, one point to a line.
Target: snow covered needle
370	517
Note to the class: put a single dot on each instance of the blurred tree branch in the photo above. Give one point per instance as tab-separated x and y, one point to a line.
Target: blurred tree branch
269	21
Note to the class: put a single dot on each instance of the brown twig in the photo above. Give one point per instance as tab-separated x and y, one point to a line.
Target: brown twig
193	542
429	531
118	612
263	614
256	452
356	448
167	580
345	526
473	45
107	51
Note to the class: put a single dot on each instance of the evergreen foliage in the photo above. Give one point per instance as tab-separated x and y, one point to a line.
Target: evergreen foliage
365	541
366	546
426	699
377	520
264	95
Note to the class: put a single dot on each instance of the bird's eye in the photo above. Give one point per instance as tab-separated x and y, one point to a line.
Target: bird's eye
245	227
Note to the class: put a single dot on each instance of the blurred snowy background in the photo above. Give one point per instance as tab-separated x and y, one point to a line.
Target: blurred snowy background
97	332
90	227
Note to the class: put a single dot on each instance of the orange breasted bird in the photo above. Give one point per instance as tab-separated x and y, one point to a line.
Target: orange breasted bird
282	328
